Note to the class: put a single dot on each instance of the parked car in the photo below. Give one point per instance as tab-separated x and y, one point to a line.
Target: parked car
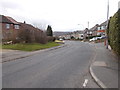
61	39
98	38
93	39
102	37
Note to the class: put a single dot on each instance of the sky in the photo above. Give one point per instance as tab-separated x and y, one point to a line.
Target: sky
62	15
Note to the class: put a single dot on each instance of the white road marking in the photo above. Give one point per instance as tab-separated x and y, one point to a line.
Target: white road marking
85	83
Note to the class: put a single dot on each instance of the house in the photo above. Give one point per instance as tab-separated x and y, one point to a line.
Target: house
10	28
102	28
16	31
93	30
78	34
97	30
85	32
66	36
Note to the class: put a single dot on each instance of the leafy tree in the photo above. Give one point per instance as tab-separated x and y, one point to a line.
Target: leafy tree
49	31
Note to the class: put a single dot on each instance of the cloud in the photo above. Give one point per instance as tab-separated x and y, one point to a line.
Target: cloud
9	5
60	14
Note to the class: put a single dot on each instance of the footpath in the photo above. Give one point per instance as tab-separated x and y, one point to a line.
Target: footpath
104	68
10	55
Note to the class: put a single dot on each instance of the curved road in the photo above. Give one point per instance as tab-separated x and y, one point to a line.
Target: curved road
66	67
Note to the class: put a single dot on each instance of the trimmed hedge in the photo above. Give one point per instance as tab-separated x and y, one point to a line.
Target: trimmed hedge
114	32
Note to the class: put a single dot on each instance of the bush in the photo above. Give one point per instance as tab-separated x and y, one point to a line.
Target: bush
114	32
32	36
25	36
50	38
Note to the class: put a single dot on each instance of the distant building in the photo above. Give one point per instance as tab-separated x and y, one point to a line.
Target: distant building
78	34
96	30
93	30
85	32
102	28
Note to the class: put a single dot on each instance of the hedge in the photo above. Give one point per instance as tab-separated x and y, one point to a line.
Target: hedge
114	32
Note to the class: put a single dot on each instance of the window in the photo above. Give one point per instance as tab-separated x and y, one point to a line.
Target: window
16	26
102	27
7	26
99	28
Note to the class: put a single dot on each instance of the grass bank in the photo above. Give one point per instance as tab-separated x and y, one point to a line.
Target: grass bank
30	47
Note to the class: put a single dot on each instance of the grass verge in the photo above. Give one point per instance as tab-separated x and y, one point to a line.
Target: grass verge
30	47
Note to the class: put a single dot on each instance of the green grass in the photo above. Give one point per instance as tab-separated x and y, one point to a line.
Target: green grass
30	47
0	46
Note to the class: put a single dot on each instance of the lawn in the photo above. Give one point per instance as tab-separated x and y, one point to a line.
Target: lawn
30	47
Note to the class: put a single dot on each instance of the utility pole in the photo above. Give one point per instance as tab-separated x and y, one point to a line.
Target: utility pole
118	5
107	24
88	24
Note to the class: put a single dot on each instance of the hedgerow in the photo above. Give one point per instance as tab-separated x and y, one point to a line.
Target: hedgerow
114	32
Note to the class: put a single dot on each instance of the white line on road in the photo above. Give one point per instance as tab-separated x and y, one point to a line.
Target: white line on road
85	83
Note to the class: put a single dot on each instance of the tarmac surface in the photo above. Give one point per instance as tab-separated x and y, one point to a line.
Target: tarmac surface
103	66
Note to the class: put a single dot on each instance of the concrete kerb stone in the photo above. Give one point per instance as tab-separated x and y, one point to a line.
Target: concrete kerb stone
96	79
100	83
32	53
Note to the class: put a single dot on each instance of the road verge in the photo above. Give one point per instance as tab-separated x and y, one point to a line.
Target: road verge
15	57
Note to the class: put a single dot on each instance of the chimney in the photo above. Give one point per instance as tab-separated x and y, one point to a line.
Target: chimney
24	22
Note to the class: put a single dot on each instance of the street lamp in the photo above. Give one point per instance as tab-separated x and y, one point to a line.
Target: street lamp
81	25
107	25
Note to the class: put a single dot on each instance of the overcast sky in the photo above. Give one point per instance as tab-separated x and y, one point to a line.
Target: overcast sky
62	15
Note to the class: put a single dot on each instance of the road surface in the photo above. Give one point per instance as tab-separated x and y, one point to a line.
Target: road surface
66	67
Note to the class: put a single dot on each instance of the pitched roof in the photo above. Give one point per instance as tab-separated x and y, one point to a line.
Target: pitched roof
79	32
12	20
104	23
29	27
6	19
94	28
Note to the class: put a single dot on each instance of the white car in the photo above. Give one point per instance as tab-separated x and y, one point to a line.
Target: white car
61	39
93	39
102	37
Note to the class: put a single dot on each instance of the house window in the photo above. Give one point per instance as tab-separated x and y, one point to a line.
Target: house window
7	26
99	28
103	27
16	26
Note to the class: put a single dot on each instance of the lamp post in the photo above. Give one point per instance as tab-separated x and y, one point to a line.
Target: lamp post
81	25
107	24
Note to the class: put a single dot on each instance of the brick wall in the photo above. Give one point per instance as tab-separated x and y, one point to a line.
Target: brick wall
9	34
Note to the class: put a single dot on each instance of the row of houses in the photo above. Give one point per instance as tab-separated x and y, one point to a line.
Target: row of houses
11	29
97	30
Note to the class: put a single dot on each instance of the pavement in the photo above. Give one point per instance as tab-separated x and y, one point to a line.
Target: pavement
104	68
10	55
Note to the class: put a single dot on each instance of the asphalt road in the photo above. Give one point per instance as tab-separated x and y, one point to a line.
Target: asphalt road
66	67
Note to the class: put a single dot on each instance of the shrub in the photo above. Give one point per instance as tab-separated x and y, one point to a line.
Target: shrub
50	38
114	32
